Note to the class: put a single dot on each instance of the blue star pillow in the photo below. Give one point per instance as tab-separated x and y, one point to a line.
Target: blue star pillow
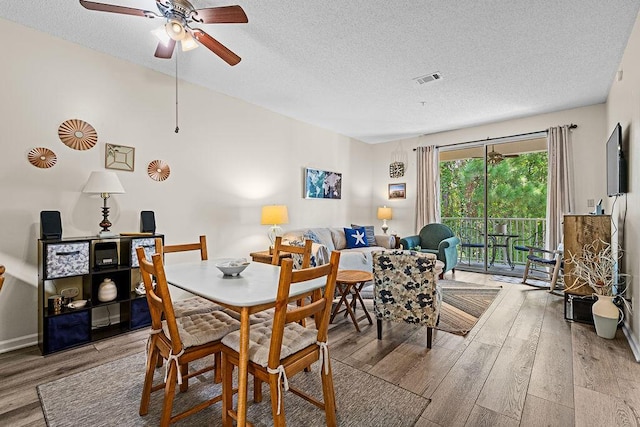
356	237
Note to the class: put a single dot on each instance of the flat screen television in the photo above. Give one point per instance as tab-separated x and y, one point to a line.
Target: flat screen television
616	164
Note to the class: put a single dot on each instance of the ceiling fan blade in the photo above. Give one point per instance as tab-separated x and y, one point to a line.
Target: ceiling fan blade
102	7
221	15
165	51
215	46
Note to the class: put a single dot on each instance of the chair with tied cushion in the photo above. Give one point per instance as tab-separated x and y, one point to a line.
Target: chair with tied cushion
405	289
301	256
178	340
436	239
282	348
193	305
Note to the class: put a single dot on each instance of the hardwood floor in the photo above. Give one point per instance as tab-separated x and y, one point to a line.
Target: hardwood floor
521	365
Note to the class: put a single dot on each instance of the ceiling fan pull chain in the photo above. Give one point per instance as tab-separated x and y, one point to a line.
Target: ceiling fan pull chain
177	128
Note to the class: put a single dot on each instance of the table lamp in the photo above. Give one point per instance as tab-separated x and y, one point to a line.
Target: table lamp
384	213
274	215
104	183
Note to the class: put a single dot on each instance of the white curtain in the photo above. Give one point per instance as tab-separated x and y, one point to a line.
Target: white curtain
560	183
428	188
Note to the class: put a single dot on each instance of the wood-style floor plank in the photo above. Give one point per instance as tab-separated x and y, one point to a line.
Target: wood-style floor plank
599	409
552	374
485	417
505	390
591	365
452	403
542	412
461	374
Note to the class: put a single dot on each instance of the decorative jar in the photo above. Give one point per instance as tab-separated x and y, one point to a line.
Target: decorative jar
605	316
107	291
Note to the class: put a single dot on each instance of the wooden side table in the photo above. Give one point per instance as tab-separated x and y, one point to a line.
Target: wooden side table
266	257
351	282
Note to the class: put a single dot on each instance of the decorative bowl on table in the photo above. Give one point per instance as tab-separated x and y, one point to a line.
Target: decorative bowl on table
232	267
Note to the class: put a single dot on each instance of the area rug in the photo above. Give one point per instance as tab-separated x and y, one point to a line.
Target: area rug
109	395
463	304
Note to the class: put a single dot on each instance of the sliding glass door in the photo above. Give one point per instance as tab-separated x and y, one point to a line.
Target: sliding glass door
493	195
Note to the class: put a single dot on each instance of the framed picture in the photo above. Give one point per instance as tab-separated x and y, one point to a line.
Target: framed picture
119	157
319	184
398	191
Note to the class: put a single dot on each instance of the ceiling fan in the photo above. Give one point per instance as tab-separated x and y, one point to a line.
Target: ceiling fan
180	15
493	157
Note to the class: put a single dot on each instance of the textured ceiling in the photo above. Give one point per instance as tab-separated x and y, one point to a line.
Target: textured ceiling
349	66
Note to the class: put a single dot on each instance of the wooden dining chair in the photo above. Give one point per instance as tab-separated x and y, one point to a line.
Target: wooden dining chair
302	251
196	304
280	349
1	276
304	260
178	340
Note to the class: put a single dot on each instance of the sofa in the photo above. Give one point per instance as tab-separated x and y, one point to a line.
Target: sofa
327	239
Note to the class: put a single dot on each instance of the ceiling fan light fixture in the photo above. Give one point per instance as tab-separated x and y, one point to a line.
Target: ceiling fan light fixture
175	29
162	35
188	43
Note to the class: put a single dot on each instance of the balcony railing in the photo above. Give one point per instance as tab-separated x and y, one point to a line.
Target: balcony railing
529	232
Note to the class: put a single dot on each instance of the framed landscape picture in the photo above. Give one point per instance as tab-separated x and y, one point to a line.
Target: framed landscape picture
319	184
119	157
398	191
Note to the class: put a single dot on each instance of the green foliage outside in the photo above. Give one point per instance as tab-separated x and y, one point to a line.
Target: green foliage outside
517	187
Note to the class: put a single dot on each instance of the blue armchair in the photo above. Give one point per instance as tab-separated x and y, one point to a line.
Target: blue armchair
436	239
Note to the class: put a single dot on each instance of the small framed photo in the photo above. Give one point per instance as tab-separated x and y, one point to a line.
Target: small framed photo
398	191
119	157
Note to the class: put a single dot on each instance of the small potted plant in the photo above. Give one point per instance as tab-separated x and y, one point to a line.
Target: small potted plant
596	266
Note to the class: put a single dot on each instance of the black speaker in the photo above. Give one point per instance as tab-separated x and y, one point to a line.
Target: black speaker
50	225
147	222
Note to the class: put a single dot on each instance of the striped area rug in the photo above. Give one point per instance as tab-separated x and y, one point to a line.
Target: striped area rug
463	304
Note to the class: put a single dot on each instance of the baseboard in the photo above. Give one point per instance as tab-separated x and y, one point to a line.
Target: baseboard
633	342
18	343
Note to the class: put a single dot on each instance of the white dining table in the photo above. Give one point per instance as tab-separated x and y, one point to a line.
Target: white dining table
253	290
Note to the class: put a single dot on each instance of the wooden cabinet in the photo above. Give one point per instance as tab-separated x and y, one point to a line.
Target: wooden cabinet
580	230
70	264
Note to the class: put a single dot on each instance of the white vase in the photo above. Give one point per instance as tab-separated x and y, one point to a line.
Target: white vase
107	291
605	316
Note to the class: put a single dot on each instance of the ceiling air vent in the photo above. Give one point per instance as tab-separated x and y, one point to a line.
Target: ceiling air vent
428	78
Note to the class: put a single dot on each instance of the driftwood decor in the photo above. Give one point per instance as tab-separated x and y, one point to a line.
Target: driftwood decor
77	134
42	157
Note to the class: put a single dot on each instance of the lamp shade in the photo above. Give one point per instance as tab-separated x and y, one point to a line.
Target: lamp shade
103	182
384	213
274	215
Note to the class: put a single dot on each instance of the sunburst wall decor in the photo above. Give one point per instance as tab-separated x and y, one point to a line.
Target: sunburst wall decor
158	170
42	157
77	134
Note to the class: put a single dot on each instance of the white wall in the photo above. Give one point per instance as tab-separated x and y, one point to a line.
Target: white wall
588	142
623	105
228	160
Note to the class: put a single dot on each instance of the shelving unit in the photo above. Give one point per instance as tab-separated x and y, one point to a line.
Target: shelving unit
70	263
